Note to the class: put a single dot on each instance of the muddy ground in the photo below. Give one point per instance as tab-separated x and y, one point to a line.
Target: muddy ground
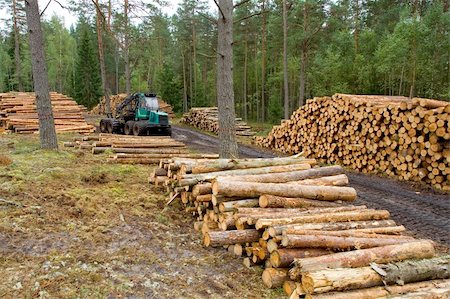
73	226
426	213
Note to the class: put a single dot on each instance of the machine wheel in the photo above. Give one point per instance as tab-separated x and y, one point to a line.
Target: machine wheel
129	127
103	126
109	127
138	129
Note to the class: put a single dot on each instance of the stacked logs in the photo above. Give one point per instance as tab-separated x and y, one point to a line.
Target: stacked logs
296	221
18	113
115	100
207	119
396	136
126	149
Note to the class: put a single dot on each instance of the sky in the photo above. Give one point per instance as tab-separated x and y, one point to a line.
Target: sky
69	18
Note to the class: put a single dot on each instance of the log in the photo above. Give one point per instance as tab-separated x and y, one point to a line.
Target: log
291	176
330	217
231	205
284	257
363	233
222	186
443	293
99	150
274	278
364	257
330	226
219	238
271	201
229	164
201	189
335	242
289	287
240	172
382	292
335	180
356	278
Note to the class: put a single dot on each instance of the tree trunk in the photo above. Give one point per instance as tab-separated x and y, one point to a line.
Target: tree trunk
274	278
223	186
284	257
225	94
356	32
330	217
127	50
219	238
384	292
362	232
330	226
271	201
302	86
185	101
101	57
194	54
357	278
292	175
334	180
47	132
364	257
17	59
244	100
263	64
285	63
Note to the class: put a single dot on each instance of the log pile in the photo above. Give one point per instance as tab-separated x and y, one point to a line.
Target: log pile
118	98
396	136
207	119
297	221
18	113
125	149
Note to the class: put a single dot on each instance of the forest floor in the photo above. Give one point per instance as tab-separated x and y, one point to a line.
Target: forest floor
72	225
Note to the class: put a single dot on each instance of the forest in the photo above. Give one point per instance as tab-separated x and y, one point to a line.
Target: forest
387	47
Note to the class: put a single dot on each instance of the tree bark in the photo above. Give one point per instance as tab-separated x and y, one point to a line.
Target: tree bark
127	50
292	175
17	59
364	257
330	226
185	101
219	238
335	180
225	94
47	132
385	291
101	58
368	232
285	62
357	278
271	201
223	186
284	257
263	64
274	278
330	217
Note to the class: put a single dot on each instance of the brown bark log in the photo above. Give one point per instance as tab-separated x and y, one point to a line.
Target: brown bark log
221	186
334	242
284	257
330	217
364	257
330	226
291	176
219	238
274	278
232	205
272	201
382	292
201	189
334	180
346	233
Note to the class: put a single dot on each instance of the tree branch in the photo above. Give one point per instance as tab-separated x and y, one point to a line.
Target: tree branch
240	3
211	20
220	9
62	6
206	55
251	16
45	8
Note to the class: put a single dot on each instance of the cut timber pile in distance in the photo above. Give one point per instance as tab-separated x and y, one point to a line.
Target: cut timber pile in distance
298	222
207	119
118	98
407	139
18	113
134	149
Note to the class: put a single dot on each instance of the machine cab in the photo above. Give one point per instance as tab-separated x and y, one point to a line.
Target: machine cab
148	103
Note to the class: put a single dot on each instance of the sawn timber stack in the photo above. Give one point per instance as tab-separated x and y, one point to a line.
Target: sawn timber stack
126	149
297	221
395	136
18	113
207	119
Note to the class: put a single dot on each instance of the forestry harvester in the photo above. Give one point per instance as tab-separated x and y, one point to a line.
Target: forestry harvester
138	114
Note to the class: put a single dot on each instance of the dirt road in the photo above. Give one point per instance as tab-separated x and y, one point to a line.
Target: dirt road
424	212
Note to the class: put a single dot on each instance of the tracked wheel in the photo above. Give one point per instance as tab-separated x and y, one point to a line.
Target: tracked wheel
138	129
129	127
103	126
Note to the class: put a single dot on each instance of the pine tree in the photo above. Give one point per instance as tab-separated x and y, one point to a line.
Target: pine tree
87	77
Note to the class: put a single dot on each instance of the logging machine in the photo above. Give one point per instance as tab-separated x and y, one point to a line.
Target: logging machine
138	114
